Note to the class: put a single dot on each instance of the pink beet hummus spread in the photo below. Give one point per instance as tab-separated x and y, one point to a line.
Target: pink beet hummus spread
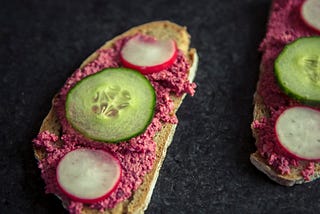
136	155
285	25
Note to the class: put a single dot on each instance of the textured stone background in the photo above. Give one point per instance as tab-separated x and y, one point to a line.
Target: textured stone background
207	169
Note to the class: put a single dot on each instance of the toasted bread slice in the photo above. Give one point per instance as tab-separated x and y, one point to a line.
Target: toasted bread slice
138	202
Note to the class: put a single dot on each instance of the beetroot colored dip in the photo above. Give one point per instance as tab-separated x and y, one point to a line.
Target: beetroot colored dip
136	155
285	26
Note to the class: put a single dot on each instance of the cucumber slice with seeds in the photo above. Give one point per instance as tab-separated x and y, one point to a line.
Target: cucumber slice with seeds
297	70
112	105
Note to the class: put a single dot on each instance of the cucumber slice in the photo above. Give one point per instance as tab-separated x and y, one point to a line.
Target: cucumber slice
297	70
297	130
112	105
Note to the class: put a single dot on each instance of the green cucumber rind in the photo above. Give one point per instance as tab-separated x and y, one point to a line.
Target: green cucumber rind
122	139
286	90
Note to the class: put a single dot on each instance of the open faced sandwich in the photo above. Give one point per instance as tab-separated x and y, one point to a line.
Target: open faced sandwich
286	122
102	144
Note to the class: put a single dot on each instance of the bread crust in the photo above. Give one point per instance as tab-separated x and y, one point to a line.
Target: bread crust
139	201
295	175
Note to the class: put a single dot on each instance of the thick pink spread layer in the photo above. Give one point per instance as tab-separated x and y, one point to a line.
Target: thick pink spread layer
136	155
285	26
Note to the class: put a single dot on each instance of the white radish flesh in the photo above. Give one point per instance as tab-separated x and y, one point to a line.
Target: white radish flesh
310	13
148	55
88	175
298	132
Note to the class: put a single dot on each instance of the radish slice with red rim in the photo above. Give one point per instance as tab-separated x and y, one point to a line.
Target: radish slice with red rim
298	132
88	175
310	13
148	55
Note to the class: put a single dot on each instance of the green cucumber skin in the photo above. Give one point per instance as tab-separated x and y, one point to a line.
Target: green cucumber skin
294	96
286	90
98	139
297	97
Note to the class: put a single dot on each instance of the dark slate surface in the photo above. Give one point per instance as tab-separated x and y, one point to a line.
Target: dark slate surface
207	169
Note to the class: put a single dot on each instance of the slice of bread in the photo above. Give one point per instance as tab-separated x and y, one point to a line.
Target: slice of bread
139	201
262	111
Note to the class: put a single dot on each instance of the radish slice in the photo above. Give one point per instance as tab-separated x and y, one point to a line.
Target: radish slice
148	55
310	13
298	132
88	175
